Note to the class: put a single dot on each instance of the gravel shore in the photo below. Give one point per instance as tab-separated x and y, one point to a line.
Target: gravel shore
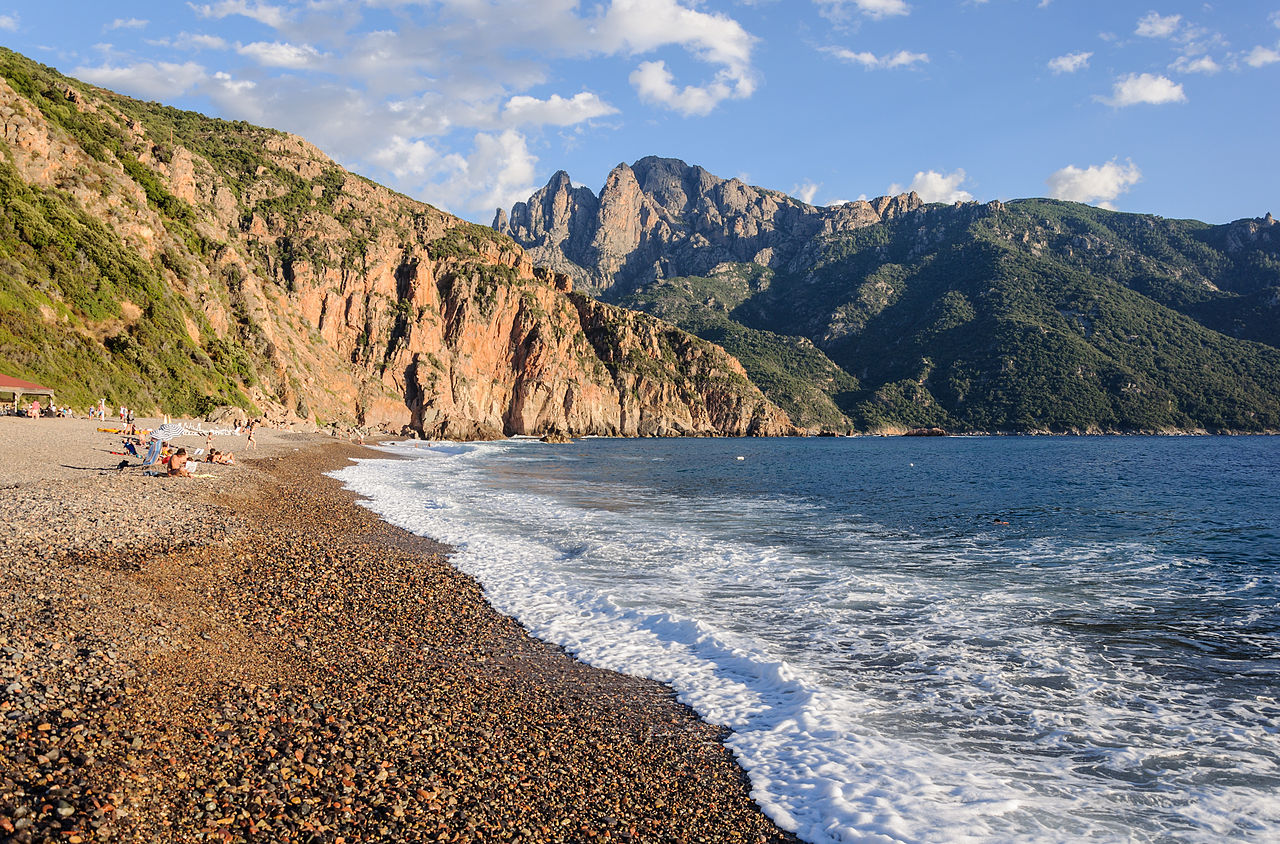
252	657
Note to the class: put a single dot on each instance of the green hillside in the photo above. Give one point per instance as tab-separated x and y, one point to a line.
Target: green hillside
793	372
79	310
1033	315
89	318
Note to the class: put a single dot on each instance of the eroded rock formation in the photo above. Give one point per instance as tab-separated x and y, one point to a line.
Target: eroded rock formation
660	218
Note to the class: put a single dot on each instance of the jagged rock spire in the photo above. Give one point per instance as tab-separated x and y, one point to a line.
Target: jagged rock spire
661	216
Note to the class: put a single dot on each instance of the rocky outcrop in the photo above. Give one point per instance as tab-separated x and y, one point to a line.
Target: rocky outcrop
351	305
661	218
706	391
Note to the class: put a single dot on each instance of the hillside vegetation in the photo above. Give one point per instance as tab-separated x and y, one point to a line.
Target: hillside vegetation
1041	315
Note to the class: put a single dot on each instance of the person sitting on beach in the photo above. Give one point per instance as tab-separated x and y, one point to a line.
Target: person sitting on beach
178	464
223	457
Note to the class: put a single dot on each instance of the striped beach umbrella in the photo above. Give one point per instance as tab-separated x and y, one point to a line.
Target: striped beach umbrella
167	432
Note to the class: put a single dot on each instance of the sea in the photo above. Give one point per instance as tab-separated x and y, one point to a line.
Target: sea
944	639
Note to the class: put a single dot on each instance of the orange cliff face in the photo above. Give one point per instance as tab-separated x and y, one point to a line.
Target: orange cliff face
358	305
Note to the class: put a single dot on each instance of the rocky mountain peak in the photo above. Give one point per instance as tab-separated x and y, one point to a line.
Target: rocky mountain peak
673	185
661	217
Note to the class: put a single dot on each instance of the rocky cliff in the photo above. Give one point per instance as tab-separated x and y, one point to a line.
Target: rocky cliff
661	218
257	271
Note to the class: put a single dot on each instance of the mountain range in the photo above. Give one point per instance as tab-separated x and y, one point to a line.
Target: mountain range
172	262
1021	316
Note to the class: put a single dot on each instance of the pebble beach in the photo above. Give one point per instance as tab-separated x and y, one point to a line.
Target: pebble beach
251	656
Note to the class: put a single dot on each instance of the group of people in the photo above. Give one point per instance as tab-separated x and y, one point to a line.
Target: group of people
176	462
35	410
213	455
99	411
180	462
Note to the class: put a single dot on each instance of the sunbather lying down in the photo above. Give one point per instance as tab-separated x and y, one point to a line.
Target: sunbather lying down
224	457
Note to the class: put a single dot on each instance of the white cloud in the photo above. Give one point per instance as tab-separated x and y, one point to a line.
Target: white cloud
1152	25
933	186
1200	64
264	13
127	23
448	78
644	25
406	158
870	61
230	85
280	54
160	81
640	26
1139	88
1261	57
201	42
1096	184
9	23
655	84
805	192
1070	63
498	173
875	9
555	110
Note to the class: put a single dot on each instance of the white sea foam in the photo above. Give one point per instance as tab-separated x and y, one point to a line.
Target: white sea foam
885	693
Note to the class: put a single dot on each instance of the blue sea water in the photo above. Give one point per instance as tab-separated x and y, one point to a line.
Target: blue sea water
913	640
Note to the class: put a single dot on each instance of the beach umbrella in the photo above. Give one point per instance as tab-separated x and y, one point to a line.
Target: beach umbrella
167	432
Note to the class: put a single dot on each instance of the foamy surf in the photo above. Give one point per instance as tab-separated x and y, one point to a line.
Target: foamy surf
881	684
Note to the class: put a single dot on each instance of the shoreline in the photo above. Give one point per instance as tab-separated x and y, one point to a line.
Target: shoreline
255	656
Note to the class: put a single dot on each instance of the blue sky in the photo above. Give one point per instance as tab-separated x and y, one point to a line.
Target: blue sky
1157	106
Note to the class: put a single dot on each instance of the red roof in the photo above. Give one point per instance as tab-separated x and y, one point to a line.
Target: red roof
8	383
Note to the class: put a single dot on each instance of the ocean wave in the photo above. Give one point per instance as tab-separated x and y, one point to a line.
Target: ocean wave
882	684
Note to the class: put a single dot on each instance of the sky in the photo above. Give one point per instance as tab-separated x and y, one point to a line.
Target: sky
1156	106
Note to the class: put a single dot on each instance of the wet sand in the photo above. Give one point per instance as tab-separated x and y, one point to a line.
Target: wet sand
253	657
